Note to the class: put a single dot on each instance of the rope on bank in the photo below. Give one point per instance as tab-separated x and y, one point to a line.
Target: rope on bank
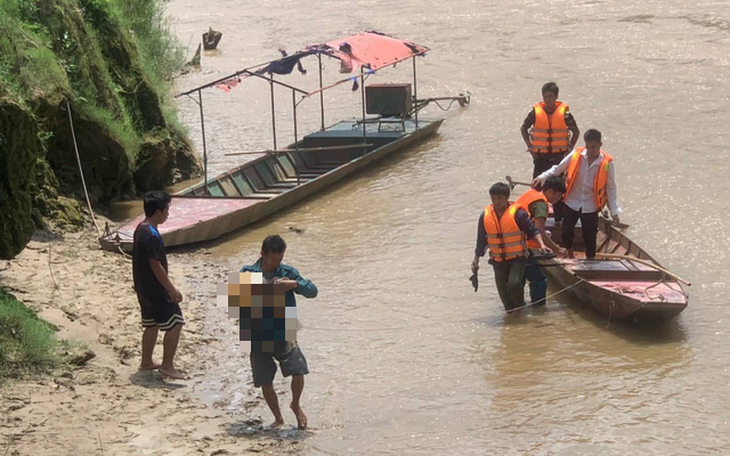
50	269
81	170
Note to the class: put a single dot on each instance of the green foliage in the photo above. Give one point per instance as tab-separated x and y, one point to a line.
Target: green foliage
119	128
111	60
160	50
24	10
27	343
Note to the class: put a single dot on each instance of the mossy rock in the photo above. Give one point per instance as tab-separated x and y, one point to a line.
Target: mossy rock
163	160
102	145
20	153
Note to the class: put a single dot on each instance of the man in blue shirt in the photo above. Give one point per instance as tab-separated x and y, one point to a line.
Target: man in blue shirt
158	298
290	357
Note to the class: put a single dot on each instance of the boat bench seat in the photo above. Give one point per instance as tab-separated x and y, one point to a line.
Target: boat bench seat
619	270
261	196
302	178
281	185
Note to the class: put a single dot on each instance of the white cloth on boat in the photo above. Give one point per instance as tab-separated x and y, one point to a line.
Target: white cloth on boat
582	198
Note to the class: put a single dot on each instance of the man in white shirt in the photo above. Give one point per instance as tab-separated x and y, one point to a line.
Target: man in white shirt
590	185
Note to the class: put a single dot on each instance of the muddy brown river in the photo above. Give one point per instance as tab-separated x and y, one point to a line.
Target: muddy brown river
405	358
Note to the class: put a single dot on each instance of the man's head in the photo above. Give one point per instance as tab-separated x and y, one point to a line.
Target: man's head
499	193
550	95
272	252
157	206
553	189
592	138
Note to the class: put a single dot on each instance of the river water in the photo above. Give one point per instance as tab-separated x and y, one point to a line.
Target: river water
405	357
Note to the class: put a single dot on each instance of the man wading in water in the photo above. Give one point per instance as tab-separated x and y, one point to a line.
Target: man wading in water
290	357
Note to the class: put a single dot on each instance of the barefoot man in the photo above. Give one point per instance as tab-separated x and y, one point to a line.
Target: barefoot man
158	298
287	353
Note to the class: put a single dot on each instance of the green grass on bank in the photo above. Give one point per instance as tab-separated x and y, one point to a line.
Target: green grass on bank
27	343
60	54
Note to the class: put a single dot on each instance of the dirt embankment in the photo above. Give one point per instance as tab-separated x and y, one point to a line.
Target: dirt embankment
108	407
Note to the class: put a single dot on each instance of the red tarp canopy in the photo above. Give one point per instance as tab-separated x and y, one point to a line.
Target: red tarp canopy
371	50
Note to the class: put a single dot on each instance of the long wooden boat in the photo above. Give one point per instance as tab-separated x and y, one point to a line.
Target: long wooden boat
282	177
619	288
274	181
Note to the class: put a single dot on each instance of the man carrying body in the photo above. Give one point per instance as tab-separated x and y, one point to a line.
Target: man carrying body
290	357
502	229
590	186
536	204
554	131
158	298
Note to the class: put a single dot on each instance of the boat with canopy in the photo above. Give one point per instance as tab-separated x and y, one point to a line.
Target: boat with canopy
279	177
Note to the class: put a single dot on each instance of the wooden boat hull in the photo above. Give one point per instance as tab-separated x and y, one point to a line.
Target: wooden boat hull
195	217
618	289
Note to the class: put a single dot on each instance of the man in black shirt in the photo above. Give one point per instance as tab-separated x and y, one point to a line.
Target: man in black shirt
158	298
554	130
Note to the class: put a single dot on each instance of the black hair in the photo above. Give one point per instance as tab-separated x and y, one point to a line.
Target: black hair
592	135
554	183
499	189
155	200
550	87
273	243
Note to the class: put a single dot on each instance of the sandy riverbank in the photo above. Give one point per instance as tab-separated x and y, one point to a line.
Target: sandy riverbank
108	407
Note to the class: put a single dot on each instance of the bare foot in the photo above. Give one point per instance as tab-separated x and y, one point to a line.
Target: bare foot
149	367
173	373
301	417
275	425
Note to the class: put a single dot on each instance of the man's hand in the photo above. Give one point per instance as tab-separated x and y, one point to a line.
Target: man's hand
546	249
615	218
288	283
561	252
536	183
176	296
475	264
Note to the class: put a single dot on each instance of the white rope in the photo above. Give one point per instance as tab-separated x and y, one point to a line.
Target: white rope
81	170
546	297
395	328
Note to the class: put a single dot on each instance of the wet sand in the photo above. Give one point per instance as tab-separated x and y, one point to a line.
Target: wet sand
108	406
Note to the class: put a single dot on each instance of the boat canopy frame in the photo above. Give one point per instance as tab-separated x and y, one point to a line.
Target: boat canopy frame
365	50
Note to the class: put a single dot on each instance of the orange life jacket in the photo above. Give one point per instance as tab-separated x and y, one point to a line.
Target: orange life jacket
550	134
504	238
524	202
599	185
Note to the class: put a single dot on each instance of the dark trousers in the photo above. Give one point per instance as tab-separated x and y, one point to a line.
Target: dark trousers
538	283
544	162
588	221
510	279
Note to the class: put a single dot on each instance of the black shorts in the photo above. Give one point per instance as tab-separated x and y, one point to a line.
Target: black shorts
163	313
290	357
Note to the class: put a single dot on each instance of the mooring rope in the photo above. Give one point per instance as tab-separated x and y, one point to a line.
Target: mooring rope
466	320
81	170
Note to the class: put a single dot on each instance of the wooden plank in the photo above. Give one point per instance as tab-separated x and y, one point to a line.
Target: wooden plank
215	190
242	184
229	187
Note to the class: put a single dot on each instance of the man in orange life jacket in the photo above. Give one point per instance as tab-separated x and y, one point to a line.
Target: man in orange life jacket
536	204
554	131
590	186
502	229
